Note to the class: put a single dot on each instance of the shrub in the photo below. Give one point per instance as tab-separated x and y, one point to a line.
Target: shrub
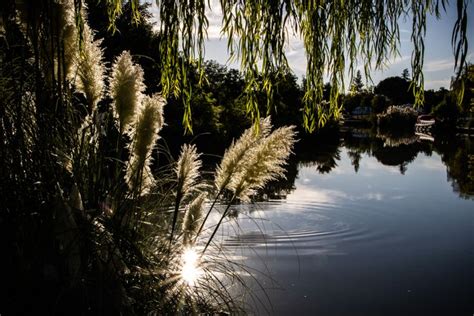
447	110
379	103
403	117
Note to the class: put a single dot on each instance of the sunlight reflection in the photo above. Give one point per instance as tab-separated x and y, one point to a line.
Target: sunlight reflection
190	271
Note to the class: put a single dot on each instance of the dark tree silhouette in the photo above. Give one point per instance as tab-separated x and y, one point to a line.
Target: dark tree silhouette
396	89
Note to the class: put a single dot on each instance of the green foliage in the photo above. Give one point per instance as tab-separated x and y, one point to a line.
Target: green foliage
367	100
226	86
257	33
137	38
433	98
351	101
463	87
447	109
357	84
354	100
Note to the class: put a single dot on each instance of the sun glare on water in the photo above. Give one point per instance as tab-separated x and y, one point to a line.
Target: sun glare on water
190	270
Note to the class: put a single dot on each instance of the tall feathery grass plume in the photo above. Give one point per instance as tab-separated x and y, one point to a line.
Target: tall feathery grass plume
126	88
187	173
69	35
187	169
264	163
261	163
90	69
144	133
192	218
61	14
233	160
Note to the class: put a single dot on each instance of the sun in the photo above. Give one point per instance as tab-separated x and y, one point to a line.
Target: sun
190	270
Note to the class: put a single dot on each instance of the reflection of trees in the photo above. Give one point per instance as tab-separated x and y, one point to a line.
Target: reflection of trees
394	141
321	152
325	152
278	189
388	149
326	160
397	150
355	157
458	156
399	156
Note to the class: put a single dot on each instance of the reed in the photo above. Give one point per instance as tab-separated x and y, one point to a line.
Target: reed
69	34
234	159
265	163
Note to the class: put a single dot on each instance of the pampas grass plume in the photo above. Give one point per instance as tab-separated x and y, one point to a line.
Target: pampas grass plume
187	172
67	25
187	169
90	69
264	163
261	162
234	157
192	218
144	133
126	87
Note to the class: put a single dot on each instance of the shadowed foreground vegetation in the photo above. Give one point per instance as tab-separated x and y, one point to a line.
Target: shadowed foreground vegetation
95	218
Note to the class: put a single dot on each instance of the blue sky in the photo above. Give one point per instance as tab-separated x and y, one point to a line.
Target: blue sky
439	58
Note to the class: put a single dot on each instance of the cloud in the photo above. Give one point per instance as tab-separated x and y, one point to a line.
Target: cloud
439	65
399	60
214	16
435	84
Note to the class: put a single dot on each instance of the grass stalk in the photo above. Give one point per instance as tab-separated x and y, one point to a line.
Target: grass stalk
218	224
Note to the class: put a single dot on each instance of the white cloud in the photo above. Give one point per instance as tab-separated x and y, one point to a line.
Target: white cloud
439	65
435	84
400	59
214	17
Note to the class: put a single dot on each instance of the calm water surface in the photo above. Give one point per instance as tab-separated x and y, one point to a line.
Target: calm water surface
367	229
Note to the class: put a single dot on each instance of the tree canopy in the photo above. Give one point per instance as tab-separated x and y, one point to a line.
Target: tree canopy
337	36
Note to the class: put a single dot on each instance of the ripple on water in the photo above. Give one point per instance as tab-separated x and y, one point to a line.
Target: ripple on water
309	225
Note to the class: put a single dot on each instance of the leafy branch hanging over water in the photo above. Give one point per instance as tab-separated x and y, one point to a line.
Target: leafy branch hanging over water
337	35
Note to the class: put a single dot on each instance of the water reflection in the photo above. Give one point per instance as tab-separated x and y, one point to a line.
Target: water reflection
365	224
400	151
